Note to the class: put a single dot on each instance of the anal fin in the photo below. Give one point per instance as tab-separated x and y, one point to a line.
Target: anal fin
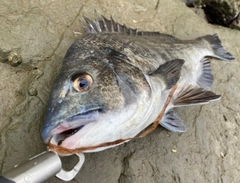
194	95
172	122
206	78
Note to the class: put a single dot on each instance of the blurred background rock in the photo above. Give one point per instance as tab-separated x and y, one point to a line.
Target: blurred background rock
222	12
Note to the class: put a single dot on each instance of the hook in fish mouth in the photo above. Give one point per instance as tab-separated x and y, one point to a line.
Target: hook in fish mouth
56	134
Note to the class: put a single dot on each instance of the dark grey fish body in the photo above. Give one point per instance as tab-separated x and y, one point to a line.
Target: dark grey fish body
115	81
144	52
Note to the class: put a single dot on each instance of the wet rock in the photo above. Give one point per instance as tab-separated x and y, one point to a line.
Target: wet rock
222	12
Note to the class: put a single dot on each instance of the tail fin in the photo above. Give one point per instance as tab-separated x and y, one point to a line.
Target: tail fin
218	50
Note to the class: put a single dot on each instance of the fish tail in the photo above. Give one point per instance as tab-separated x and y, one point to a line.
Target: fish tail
216	45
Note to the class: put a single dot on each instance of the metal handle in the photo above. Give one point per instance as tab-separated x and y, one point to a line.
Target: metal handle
69	175
37	169
40	168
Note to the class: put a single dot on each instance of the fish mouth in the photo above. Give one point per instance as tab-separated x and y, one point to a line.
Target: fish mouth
57	139
70	126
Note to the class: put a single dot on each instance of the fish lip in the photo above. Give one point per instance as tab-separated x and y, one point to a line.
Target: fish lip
77	121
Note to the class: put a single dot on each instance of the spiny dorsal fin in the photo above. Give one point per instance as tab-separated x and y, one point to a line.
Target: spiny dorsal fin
206	78
105	25
194	95
92	25
170	71
172	122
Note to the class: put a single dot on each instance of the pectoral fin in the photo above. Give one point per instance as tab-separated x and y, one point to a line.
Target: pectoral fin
172	122
194	95
170	71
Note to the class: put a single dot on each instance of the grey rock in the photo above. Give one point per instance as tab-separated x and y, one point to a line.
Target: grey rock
222	12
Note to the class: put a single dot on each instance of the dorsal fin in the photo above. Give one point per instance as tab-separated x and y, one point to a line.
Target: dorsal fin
103	24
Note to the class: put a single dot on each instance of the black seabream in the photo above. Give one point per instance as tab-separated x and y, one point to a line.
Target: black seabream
115	81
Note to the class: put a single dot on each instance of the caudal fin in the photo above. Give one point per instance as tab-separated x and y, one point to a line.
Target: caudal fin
218	50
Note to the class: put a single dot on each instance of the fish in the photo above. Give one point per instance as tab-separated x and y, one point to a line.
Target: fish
116	81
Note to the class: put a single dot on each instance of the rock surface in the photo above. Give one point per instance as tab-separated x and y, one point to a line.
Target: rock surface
41	32
221	12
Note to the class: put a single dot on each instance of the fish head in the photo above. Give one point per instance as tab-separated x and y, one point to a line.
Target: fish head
91	100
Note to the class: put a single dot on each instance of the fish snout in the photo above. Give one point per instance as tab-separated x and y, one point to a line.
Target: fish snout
66	127
47	133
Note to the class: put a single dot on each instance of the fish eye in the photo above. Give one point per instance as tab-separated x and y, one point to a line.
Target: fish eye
82	82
